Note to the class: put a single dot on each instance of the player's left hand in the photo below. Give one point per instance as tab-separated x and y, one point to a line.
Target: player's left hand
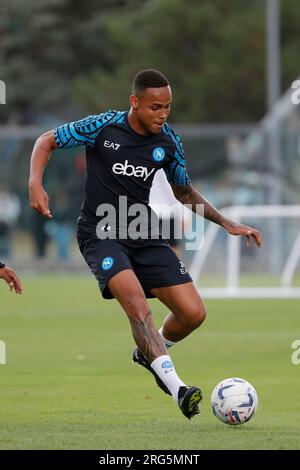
250	233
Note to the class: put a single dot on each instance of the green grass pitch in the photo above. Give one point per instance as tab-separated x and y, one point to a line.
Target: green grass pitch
69	382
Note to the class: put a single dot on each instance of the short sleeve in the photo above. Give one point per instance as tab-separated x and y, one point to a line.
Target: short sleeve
176	170
84	131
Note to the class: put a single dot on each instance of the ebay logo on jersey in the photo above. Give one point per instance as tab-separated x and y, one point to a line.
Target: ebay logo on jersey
126	169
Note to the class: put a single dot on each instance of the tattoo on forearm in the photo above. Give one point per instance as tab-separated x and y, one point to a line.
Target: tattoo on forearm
147	337
189	195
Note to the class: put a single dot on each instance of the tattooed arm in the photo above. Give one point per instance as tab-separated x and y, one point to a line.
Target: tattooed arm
189	195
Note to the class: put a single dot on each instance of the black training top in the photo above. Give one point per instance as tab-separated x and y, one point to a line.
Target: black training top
121	162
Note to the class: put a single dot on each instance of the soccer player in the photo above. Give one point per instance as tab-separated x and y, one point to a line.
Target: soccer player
10	278
123	152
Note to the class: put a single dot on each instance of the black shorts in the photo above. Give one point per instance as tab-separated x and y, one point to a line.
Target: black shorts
154	264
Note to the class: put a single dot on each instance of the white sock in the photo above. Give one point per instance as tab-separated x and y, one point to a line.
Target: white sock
167	342
165	370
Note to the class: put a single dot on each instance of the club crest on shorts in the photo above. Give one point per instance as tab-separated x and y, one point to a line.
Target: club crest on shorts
107	263
158	154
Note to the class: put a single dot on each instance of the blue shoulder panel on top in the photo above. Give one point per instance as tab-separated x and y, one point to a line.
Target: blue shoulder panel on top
85	131
176	170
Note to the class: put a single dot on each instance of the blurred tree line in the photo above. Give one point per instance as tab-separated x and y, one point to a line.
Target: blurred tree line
62	58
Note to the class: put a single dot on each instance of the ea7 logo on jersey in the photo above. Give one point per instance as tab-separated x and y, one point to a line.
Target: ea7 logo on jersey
111	145
130	170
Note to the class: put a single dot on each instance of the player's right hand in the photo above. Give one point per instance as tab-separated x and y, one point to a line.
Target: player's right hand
39	200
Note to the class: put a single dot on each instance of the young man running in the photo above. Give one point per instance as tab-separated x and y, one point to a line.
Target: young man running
123	152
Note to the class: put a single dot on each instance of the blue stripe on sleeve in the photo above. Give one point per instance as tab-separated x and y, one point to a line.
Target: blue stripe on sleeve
176	171
85	131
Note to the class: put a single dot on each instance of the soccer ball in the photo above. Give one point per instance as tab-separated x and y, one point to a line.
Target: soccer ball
234	401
